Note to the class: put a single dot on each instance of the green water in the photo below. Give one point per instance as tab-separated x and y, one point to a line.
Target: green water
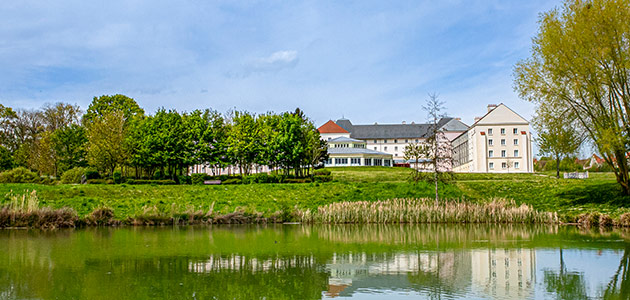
315	262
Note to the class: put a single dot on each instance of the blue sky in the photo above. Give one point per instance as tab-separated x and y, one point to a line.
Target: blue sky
370	61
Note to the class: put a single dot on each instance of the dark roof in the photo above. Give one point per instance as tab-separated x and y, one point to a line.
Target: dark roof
452	124
345	124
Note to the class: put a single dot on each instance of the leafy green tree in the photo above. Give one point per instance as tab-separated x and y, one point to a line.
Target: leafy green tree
579	62
243	141
106	104
60	115
69	144
106	142
6	160
558	135
7	118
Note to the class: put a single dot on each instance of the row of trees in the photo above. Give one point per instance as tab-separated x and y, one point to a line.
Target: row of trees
115	134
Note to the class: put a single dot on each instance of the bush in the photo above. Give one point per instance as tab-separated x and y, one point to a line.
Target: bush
100	181
151	181
117	176
73	175
298	180
184	179
20	175
322	178
199	178
92	174
321	172
231	181
157	175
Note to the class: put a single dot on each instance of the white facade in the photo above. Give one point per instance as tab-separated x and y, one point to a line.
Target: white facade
499	142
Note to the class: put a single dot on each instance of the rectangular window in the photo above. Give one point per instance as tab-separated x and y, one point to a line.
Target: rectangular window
385	148
395	141
384	141
375	142
490	142
329	161
368	161
416	140
515	130
515	141
490	153
491	165
489	131
355	161
406	141
502	142
396	148
515	153
502	131
517	165
374	148
504	165
503	153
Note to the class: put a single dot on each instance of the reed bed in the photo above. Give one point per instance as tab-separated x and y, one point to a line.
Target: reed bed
416	211
25	211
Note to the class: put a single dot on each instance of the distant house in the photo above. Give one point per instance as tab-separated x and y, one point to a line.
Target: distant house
498	142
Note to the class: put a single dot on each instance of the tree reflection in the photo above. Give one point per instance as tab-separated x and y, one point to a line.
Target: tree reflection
619	285
564	284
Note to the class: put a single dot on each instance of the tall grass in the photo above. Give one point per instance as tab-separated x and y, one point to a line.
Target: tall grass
23	210
426	211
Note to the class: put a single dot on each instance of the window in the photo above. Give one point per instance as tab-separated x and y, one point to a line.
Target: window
502	142
515	153
515	130
374	148
395	148
355	161
395	141
406	141
490	142
504	165
368	161
388	163
491	165
329	139
503	153
375	142
502	131
384	141
516	165
489	131
515	141
329	161
416	140
490	153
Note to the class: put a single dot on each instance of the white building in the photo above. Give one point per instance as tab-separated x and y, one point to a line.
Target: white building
389	138
498	142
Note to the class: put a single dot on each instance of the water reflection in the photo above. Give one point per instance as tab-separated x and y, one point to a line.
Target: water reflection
304	262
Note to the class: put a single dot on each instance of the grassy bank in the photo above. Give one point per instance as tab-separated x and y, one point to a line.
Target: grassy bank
569	198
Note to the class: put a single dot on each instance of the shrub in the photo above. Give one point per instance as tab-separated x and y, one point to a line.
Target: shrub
199	178
100	181
150	181
624	220
232	181
322	178
117	176
321	172
157	175
20	175
92	174
184	179
73	175
298	180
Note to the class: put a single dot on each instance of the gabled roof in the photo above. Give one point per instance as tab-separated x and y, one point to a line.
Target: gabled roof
499	107
343	139
331	127
452	124
398	131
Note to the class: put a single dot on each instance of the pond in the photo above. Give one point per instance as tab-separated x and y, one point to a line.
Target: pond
316	262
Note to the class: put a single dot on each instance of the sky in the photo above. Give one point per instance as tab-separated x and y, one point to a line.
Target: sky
368	61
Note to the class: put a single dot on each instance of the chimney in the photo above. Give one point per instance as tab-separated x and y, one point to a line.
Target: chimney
413	123
477	119
491	107
458	119
404	122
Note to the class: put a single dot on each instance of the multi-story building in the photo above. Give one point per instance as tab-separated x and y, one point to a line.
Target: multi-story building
498	142
390	138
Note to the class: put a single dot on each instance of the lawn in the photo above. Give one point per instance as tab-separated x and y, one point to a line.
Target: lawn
567	197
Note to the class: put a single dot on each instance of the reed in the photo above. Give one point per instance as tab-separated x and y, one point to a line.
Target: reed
24	211
426	211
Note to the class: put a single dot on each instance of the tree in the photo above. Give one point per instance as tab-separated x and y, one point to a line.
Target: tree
60	115
243	141
579	62
105	104
106	142
557	134
416	153
69	144
438	150
7	119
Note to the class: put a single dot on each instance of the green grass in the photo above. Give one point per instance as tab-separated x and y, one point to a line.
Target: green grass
569	198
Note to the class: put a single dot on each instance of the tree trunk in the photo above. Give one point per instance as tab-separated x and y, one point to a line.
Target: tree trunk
558	166
622	174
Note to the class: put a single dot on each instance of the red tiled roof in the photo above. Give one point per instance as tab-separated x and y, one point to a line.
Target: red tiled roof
331	127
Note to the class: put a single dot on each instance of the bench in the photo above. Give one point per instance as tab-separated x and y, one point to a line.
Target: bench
212	182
